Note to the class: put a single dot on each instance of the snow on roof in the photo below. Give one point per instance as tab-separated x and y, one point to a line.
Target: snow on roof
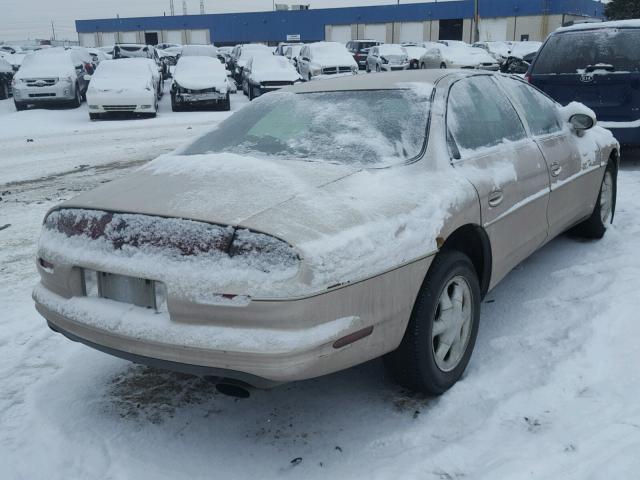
54	62
125	73
391	49
635	23
331	53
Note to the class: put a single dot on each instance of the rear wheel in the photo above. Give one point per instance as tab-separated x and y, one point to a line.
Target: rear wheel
443	65
175	107
596	225
368	68
377	67
75	103
423	66
443	327
225	105
4	90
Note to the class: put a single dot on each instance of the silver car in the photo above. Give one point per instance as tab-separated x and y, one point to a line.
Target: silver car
326	225
457	55
387	57
52	76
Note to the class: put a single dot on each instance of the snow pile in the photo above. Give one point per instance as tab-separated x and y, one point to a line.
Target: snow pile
200	73
465	55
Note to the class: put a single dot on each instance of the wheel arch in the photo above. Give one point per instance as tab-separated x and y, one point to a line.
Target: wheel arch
473	241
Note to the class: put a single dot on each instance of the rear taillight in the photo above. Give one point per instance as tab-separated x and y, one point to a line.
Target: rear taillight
527	77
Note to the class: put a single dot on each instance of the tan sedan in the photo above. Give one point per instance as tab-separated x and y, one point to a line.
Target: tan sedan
326	225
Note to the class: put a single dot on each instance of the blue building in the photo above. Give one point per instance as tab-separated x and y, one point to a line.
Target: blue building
450	20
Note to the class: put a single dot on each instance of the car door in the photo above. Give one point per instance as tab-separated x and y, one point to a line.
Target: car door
574	180
490	147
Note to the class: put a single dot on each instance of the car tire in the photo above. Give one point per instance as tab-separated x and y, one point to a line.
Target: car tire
443	65
77	101
174	105
377	68
415	363
20	106
602	216
4	91
225	105
423	66
309	77
367	68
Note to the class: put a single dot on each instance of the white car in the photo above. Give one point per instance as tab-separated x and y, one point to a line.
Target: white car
241	54
387	57
498	50
98	55
414	52
266	73
458	55
199	82
128	85
325	60
292	52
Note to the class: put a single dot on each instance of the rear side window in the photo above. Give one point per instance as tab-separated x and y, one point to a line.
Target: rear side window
479	116
572	52
538	110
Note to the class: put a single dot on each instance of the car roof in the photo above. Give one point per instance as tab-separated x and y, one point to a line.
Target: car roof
635	23
386	81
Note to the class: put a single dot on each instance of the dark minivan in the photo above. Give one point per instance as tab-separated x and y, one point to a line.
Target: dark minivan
597	64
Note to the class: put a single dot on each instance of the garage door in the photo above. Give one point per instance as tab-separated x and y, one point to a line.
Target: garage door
174	36
340	33
493	29
108	38
87	39
128	37
199	37
411	32
376	31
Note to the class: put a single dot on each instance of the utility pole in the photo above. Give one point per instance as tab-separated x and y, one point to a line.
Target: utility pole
53	31
476	19
172	8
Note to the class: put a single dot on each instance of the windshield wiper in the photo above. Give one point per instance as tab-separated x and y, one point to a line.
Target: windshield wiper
600	66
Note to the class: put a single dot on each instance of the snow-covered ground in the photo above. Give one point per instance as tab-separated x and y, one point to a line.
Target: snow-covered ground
551	392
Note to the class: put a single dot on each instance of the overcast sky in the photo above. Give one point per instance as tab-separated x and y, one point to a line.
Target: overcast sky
22	19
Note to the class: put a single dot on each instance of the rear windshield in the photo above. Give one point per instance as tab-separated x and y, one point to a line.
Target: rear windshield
572	52
365	127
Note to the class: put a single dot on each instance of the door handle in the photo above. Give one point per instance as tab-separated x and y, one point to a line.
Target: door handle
495	198
556	168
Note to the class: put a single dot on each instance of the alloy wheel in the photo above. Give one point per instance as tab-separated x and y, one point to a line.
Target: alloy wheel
452	324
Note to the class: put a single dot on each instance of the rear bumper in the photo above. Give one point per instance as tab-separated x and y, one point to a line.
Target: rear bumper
261	343
627	133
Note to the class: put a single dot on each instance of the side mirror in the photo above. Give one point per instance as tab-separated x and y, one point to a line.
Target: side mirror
87	77
581	121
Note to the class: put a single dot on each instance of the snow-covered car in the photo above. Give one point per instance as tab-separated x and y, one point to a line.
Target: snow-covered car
199	82
14	59
266	73
325	60
387	57
498	50
128	85
136	50
291	53
6	75
414	52
12	49
360	49
98	55
241	54
170	55
165	46
52	76
325	225
282	47
523	49
457	55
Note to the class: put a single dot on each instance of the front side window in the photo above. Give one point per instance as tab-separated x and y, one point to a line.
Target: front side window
539	112
479	116
371	128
